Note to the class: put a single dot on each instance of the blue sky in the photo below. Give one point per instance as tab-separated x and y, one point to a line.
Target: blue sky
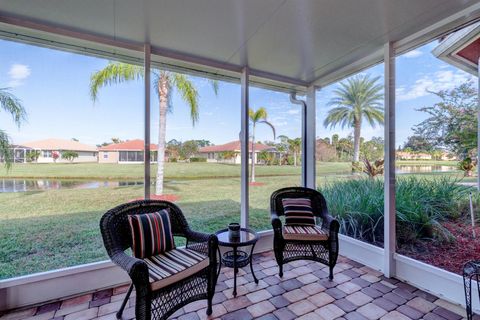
54	88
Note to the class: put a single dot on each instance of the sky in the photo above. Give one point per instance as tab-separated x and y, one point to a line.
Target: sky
54	88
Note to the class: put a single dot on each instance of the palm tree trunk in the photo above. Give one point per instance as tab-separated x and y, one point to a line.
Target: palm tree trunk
356	141
163	89
294	158
252	179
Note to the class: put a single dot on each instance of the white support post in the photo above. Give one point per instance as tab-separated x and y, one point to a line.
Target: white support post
389	189
478	127
310	139
146	164
244	140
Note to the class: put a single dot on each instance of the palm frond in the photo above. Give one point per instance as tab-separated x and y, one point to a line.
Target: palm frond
113	73
5	152
12	105
270	125
188	93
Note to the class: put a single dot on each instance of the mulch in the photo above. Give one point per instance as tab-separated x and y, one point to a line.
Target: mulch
452	255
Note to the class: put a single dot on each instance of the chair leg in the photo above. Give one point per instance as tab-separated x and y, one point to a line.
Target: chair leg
330	276
124	303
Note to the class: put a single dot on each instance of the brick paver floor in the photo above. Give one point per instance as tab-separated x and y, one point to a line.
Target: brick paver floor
304	292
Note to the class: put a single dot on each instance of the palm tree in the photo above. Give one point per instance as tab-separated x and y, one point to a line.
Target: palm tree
294	146
12	105
356	99
164	81
259	116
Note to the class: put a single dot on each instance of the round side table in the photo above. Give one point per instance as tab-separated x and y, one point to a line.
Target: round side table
237	258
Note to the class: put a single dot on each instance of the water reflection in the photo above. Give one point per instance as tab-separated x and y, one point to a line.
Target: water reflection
23	185
424	168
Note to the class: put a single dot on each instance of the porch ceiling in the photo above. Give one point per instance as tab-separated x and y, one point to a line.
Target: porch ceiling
294	42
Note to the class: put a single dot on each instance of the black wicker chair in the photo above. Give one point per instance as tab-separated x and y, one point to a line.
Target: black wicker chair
324	251
161	303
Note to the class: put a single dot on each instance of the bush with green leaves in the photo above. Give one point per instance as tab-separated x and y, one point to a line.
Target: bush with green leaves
198	159
69	155
421	205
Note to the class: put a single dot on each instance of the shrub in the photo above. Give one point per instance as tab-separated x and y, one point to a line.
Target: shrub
198	159
421	205
173	159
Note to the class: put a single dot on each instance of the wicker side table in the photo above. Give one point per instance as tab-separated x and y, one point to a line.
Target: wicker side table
471	270
237	258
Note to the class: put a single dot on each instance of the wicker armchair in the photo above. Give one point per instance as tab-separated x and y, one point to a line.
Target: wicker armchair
324	251
159	303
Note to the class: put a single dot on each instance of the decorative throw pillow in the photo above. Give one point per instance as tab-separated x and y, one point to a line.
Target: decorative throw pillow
298	211
151	233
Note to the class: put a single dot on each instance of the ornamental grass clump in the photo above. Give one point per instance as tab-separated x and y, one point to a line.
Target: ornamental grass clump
421	204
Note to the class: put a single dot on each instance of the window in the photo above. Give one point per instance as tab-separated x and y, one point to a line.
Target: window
47	153
343	155
105	155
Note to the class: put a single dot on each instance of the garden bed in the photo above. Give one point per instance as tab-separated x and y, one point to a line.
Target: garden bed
452	255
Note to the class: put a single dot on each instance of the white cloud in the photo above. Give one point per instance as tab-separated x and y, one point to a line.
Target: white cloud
440	80
293	111
412	54
18	73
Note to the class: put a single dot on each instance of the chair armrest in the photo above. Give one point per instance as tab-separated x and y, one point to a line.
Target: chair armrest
136	268
276	223
331	224
204	243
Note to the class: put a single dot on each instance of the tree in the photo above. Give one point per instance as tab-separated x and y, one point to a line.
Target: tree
164	81
33	155
358	98
418	143
228	155
259	116
188	149
267	157
69	155
12	105
294	146
55	156
452	122
372	149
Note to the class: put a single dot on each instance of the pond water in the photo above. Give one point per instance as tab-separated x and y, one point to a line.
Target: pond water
23	185
424	169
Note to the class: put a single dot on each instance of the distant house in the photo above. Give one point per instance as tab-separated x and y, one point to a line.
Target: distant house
49	147
405	155
230	152
131	151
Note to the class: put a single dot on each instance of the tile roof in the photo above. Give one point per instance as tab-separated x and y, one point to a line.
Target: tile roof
233	146
59	144
130	145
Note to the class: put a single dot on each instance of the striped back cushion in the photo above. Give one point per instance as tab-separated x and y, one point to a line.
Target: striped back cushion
298	211
151	233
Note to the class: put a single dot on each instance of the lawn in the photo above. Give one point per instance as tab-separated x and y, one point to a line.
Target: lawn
172	170
45	230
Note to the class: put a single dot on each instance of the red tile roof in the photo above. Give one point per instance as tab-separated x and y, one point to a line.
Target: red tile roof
131	145
233	146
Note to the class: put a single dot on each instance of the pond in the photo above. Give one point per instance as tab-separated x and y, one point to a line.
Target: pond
402	169
23	185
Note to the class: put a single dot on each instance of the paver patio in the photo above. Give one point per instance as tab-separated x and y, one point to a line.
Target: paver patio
357	292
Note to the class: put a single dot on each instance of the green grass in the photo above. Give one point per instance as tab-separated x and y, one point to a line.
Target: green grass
46	230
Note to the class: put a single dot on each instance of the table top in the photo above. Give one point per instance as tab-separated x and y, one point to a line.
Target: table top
247	237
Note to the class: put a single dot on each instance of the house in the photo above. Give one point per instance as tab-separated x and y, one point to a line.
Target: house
230	152
405	155
130	151
49	148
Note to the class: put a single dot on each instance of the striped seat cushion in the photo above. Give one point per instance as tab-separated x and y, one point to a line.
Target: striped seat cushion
173	266
298	211
301	232
151	233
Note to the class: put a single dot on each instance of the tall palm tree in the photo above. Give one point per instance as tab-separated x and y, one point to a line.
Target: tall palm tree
164	81
358	98
12	105
294	146
259	116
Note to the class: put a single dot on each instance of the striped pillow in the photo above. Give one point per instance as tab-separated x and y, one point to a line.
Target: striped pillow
151	233
298	211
